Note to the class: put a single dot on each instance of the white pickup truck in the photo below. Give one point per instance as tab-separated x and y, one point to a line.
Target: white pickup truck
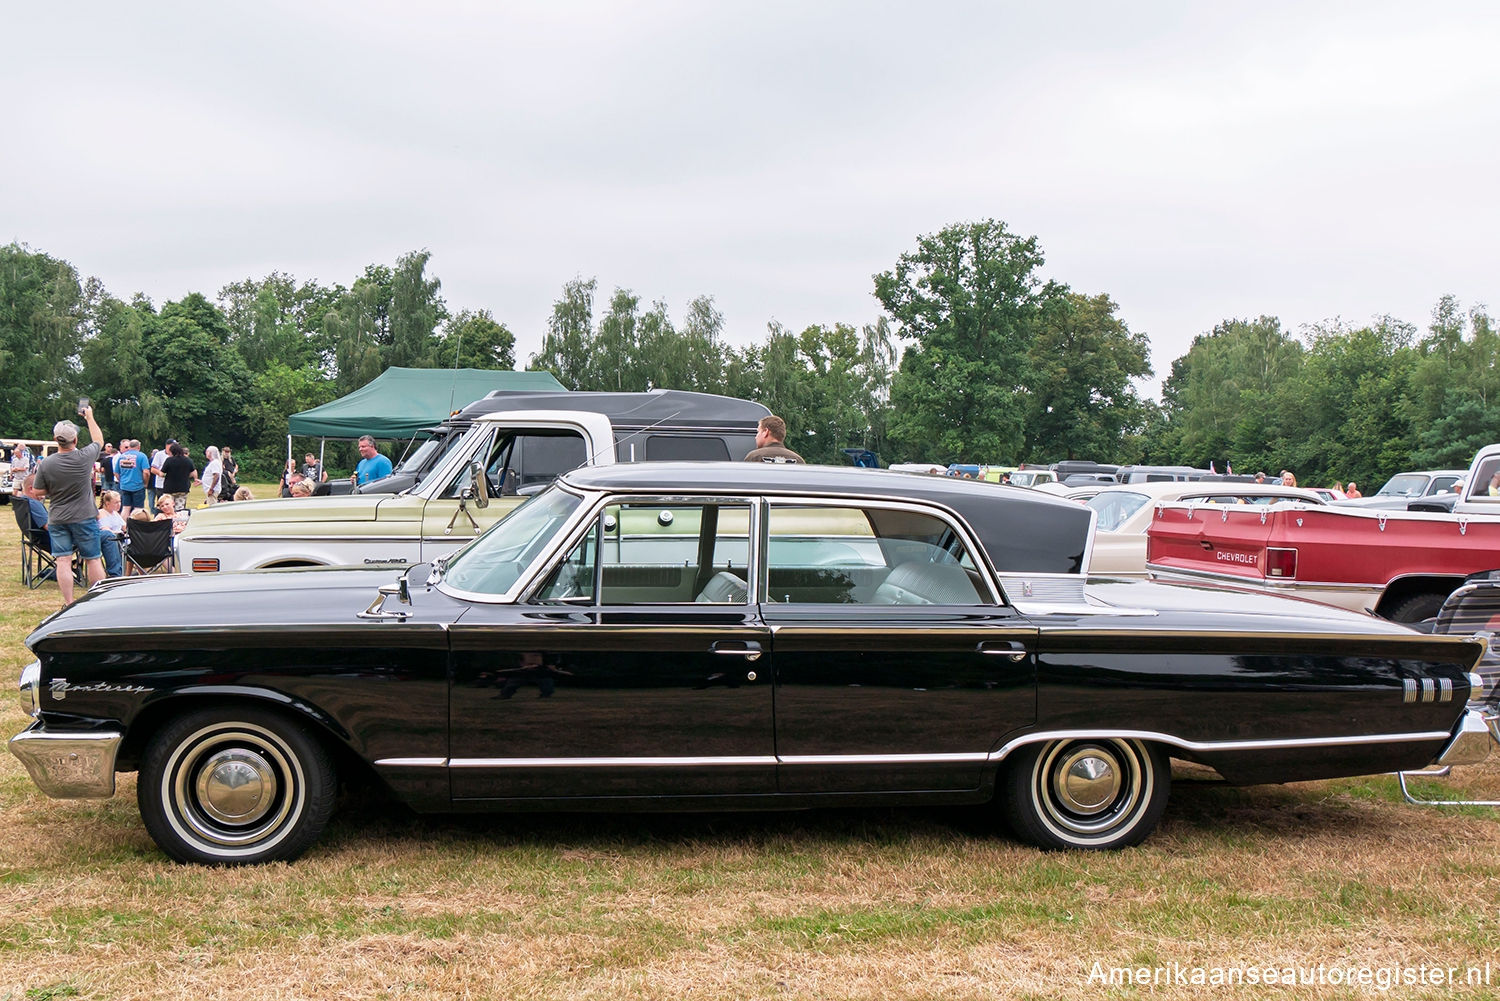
505	457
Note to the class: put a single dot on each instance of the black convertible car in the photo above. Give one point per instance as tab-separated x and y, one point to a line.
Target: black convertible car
720	636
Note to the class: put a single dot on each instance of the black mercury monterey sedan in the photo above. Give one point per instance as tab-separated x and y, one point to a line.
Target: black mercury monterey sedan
720	636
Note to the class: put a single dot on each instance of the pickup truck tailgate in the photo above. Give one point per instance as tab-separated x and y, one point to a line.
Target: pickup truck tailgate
1219	538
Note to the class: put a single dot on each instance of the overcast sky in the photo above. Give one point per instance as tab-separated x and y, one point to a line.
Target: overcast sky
1194	161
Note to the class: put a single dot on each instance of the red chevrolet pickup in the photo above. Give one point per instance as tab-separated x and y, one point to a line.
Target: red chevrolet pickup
1397	564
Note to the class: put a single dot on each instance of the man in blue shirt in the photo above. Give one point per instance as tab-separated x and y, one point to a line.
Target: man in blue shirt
372	465
131	465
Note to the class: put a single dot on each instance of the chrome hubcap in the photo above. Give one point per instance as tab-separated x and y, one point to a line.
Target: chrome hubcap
236	786
1087	791
1087	781
233	788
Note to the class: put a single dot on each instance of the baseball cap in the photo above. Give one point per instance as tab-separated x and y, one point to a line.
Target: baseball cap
65	431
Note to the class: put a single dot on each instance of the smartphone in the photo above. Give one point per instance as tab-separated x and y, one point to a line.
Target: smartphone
83	404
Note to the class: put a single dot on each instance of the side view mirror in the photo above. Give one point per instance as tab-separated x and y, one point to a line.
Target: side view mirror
479	485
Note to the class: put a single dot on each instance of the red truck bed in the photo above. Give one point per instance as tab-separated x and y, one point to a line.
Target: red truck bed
1397	564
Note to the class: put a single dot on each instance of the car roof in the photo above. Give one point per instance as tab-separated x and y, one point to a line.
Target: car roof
1169	490
670	407
1055	539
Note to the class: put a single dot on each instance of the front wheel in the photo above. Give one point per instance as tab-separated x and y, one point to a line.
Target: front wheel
235	786
1086	793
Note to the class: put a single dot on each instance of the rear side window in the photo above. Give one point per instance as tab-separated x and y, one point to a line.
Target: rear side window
686	448
866	556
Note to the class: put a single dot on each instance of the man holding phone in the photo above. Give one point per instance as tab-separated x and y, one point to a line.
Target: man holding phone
67	481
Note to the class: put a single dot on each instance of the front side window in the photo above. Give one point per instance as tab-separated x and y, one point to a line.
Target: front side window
867	555
523	461
657	552
492	563
1486	487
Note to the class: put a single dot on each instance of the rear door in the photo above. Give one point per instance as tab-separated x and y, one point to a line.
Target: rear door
896	668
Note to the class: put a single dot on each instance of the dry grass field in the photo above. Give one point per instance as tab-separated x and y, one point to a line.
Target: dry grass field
868	904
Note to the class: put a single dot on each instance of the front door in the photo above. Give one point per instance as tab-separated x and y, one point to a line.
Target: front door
636	668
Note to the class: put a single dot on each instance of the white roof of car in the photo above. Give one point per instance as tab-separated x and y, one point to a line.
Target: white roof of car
1173	490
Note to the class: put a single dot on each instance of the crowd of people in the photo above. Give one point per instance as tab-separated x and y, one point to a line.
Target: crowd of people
92	490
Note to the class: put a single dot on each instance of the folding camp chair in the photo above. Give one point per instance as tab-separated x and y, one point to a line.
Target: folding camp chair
36	547
148	547
1473	608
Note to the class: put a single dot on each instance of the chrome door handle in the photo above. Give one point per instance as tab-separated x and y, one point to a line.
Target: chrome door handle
1003	648
748	649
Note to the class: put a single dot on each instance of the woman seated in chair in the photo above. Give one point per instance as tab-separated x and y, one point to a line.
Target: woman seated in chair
166	510
111	531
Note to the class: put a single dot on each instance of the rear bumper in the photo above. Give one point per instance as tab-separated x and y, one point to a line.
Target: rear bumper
69	765
1473	736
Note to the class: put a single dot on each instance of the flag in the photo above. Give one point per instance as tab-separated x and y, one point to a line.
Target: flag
1211	468
1228	468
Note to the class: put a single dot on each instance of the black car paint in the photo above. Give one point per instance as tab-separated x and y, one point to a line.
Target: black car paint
478	705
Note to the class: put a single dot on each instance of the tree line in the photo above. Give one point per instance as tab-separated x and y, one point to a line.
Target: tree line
976	356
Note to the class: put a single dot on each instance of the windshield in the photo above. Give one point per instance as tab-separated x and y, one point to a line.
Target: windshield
1404	485
492	563
416	460
1115	507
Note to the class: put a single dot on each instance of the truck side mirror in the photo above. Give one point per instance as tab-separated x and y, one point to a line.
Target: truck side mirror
479	485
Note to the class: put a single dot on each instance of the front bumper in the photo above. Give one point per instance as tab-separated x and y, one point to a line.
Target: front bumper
69	765
1473	736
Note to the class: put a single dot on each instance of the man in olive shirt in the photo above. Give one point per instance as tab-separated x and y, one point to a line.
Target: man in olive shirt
770	442
66	479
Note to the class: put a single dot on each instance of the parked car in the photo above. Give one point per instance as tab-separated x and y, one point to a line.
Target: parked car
702	636
662	424
1125	513
1159	474
501	457
1403	488
1032	476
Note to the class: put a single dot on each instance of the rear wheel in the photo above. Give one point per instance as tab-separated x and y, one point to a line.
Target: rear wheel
1416	607
1086	793
235	786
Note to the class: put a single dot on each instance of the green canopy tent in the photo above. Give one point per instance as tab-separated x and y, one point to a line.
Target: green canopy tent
400	402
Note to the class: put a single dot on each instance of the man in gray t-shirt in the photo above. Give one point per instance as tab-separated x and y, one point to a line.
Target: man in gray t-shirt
66	479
